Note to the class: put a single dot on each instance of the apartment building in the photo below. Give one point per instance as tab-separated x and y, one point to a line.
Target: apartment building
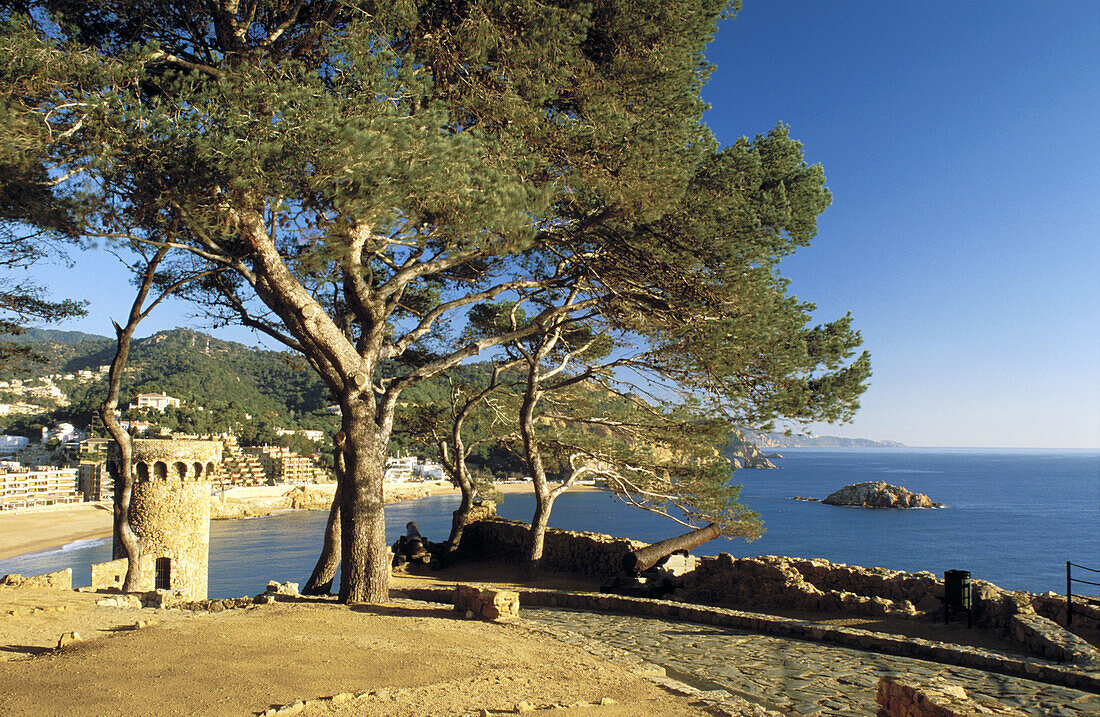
33	488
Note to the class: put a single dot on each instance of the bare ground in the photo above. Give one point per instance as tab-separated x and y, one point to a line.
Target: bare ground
403	658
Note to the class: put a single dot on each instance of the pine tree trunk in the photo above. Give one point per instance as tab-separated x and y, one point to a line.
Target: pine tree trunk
365	565
460	518
126	543
532	566
320	582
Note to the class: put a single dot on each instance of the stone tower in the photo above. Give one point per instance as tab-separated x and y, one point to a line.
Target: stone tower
170	511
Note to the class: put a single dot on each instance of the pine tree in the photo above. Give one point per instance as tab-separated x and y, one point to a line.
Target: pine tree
361	173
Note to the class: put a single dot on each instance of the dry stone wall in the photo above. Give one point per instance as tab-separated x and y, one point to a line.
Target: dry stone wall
898	698
61	580
111	574
775	582
580	553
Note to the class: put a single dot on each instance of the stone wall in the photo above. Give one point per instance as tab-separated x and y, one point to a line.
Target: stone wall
61	580
817	585
899	698
579	553
1053	606
782	583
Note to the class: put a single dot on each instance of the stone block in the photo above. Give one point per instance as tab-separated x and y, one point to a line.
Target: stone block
487	604
68	638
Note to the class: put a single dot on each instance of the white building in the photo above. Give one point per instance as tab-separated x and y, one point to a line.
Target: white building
9	445
309	433
429	471
39	487
159	401
399	470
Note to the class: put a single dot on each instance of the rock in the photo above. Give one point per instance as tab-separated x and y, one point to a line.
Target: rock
274	587
878	494
302	498
953	691
744	454
487	604
235	510
69	638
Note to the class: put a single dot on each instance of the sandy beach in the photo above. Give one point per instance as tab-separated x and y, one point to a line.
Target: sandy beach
41	529
44	528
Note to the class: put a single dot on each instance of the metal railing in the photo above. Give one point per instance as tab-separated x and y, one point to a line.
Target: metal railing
1069	588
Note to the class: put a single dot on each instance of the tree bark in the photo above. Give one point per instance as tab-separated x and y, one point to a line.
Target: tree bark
460	518
320	581
364	560
532	567
461	477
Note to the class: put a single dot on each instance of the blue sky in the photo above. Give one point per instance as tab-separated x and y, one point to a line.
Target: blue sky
961	142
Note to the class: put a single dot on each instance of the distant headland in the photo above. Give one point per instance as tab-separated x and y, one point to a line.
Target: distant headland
782	440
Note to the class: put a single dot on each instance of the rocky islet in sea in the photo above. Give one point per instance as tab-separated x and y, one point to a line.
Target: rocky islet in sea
879	494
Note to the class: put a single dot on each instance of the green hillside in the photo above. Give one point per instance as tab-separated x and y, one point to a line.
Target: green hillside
223	385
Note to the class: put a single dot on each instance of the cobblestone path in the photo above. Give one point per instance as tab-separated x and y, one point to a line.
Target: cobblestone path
790	676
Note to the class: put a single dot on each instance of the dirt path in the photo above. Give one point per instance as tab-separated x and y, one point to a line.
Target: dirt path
406	658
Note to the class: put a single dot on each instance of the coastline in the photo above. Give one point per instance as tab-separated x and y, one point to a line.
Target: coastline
39	530
42	529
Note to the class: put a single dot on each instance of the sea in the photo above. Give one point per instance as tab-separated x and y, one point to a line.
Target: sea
1012	517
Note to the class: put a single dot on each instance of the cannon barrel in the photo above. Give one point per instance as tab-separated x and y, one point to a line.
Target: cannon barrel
645	558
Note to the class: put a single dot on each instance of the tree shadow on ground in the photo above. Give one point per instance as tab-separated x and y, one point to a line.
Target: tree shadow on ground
25	649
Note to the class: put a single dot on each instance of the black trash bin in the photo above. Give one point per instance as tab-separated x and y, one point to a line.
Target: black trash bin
956	593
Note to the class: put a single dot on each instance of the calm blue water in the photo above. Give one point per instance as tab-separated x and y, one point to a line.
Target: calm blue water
1011	517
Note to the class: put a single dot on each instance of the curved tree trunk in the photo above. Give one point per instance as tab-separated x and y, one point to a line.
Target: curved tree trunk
126	543
460	518
320	582
532	566
460	476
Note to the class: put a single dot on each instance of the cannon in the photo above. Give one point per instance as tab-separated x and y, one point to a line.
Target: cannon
412	547
642	559
657	570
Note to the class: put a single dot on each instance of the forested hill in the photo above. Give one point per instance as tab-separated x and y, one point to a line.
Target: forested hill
225	386
49	336
226	379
